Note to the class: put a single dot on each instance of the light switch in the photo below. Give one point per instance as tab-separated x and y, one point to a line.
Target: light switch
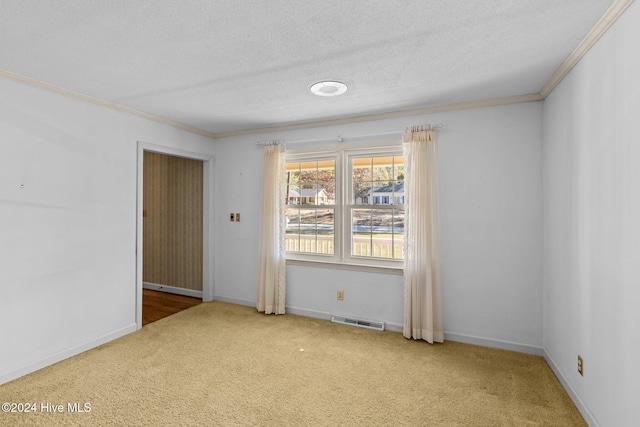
237	217
232	218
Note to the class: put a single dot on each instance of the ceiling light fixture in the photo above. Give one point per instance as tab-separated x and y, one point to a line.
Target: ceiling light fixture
328	88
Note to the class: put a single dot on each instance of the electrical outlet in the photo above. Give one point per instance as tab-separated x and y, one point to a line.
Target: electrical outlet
340	295
232	218
580	366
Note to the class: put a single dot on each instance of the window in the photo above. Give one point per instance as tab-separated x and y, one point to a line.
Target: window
376	207
311	192
346	206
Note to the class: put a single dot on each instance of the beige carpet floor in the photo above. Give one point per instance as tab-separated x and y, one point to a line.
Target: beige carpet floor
227	365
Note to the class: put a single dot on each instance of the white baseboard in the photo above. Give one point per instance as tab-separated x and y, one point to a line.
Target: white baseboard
327	316
315	314
586	413
487	342
65	354
172	290
236	301
467	339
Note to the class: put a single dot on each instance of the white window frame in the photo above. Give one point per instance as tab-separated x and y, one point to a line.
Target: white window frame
337	217
342	257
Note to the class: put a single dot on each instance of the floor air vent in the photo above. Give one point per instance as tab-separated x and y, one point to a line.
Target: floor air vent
368	324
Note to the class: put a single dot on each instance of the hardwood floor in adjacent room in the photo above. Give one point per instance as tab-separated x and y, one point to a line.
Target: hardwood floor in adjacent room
157	305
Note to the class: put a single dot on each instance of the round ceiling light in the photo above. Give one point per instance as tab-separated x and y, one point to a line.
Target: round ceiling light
328	88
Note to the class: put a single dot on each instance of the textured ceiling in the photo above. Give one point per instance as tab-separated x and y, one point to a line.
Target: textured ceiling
230	65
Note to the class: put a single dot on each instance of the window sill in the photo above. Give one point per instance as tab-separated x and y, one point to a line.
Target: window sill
399	271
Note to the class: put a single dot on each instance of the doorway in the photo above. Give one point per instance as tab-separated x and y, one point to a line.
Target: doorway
173	231
157	305
171	234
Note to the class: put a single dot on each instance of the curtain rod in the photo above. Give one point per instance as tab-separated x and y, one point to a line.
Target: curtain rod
339	138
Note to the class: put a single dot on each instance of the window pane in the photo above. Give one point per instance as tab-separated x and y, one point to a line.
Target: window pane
382	233
293	178
382	169
307	194
398	173
311	183
292	237
361	232
361	193
326	184
326	231
382	161
398	233
293	183
326	193
377	180
377	233
326	170
382	193
293	195
361	179
361	167
398	193
310	231
309	172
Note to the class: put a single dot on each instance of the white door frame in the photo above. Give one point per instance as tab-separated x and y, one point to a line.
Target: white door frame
207	218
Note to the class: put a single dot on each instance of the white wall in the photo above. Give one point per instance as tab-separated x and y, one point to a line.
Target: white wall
592	231
490	194
68	223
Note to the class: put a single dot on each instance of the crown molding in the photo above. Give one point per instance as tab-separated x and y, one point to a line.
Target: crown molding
610	16
81	96
532	97
601	27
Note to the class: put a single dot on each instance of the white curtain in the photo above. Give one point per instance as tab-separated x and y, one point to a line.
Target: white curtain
422	294
271	280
